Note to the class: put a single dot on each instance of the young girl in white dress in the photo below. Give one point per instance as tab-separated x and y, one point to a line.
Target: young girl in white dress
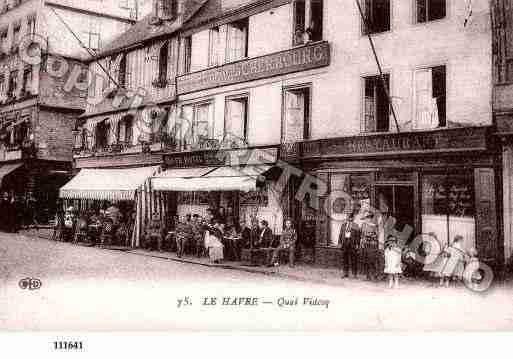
393	265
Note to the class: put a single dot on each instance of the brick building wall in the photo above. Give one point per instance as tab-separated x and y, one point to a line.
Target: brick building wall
53	135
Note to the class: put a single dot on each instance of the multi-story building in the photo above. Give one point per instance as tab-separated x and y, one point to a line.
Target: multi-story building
412	141
43	90
124	132
388	102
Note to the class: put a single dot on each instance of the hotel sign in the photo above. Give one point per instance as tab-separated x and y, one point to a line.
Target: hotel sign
249	156
280	63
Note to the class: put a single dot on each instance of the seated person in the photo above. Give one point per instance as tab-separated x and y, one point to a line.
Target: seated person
287	244
266	235
153	233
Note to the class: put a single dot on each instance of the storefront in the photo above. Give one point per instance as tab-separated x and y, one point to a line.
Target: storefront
93	189
444	183
235	184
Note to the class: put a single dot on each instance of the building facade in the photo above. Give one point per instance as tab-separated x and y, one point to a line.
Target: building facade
42	81
317	86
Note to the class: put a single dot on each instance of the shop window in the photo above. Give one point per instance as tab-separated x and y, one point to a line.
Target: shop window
308	22
448	207
377	16
236	119
429	10
13	84
376	111
430	97
297	114
237	40
213	47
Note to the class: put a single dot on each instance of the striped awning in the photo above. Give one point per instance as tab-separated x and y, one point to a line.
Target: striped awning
107	184
221	179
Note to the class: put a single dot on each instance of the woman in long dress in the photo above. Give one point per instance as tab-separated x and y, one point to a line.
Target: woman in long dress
213	244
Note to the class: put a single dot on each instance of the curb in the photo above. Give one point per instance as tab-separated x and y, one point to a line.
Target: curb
234	267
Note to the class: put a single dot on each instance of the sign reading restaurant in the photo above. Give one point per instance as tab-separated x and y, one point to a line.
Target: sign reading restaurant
280	63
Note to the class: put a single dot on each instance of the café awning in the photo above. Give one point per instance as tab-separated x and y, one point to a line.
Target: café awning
8	168
107	184
221	179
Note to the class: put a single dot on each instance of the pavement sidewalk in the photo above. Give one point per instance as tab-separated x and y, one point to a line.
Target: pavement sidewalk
300	272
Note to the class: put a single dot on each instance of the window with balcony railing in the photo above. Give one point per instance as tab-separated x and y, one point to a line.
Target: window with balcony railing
308	21
13	85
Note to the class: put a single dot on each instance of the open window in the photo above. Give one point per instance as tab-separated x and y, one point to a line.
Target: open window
13	84
377	16
166	9
236	119
376	111
214	47
122	71
196	125
430	97
429	10
187	54
27	81
125	129
308	21
93	35
296	126
237	40
161	80
102	133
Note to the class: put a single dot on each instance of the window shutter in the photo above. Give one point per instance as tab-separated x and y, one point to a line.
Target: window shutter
294	125
486	218
423	99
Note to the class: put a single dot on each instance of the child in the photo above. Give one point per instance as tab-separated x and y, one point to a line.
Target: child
393	265
453	260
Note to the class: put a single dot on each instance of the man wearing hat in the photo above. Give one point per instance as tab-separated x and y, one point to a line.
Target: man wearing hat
349	240
370	246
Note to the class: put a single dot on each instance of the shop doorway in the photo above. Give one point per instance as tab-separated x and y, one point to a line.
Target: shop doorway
398	201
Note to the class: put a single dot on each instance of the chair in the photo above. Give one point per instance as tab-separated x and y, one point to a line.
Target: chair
108	231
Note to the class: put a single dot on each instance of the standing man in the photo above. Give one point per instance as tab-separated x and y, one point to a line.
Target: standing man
349	240
266	235
370	246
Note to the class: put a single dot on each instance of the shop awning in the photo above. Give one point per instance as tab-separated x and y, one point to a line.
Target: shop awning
220	179
107	184
8	168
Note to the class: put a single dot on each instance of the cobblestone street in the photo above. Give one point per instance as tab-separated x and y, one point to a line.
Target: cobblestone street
96	289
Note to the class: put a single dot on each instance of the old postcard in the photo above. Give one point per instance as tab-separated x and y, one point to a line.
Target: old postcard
256	166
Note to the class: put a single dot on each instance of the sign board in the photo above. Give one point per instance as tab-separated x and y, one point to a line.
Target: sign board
280	63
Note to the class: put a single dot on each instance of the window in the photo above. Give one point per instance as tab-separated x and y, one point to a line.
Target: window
21	132
31	25
307	21
296	125
429	10
166	9
214	47
13	84
93	35
163	64
236	120
237	40
197	123
430	98
448	207
27	81
376	109
122	75
102	134
3	40
126	131
16	34
187	51
2	85
377	16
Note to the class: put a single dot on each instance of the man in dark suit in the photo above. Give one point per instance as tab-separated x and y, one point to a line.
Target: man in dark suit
349	240
266	235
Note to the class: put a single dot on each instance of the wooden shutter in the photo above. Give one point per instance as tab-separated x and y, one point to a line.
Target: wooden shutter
486	214
322	222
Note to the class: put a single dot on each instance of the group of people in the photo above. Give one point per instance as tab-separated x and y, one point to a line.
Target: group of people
220	238
94	225
360	244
